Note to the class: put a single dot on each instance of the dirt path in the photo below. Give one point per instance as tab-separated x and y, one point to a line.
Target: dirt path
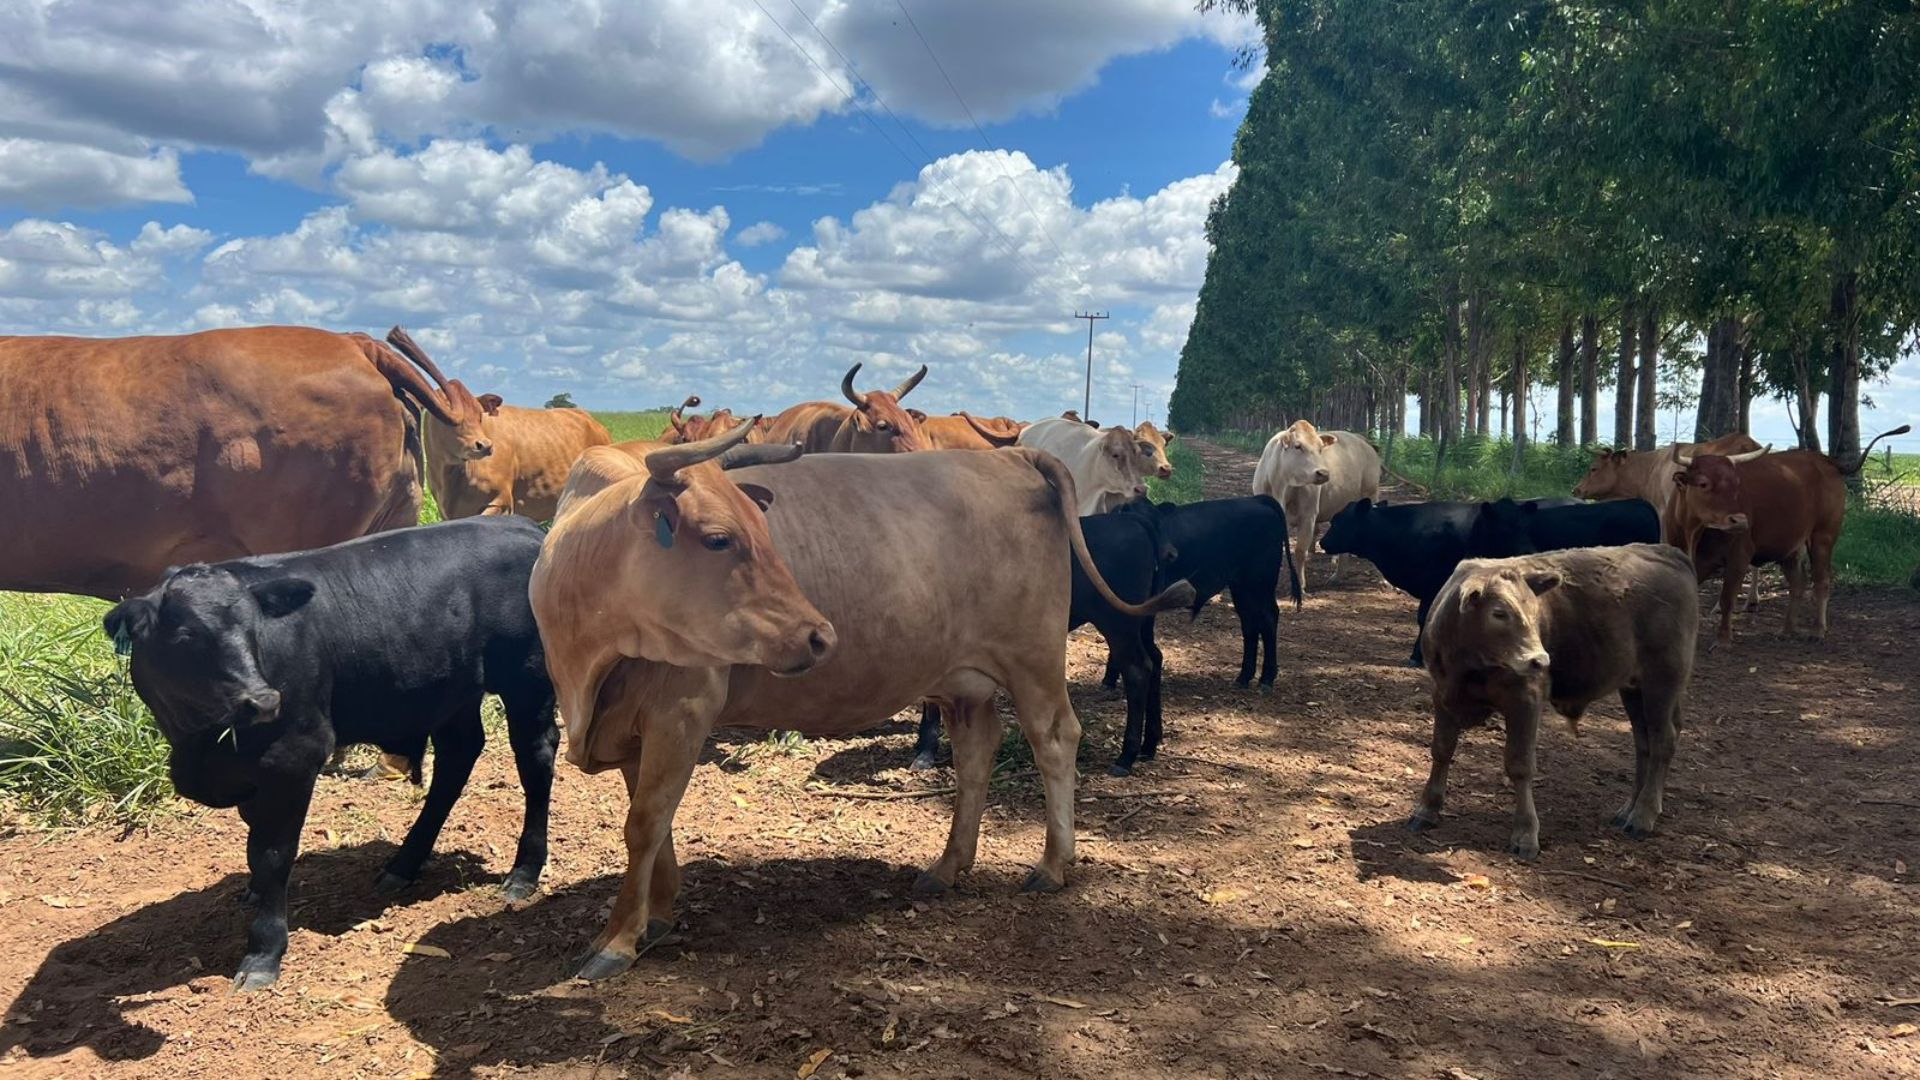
1248	905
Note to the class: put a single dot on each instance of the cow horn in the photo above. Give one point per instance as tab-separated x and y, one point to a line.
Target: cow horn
846	387
1749	455
692	402
913	380
760	454
665	464
1685	461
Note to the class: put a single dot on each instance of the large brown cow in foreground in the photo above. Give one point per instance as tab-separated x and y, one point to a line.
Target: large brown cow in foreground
121	457
532	451
876	424
821	596
1510	636
965	431
1735	512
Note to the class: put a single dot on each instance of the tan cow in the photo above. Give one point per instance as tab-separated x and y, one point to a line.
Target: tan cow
819	596
1316	474
875	425
1158	439
533	449
120	457
965	431
1565	628
1110	467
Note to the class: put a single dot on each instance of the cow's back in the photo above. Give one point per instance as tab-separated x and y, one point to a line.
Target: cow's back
1789	497
1353	466
926	564
139	453
1621	614
1065	439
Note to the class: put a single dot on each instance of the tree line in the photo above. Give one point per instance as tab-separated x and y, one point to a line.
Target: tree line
1462	201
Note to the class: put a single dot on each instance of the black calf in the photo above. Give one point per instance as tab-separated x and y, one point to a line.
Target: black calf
257	668
1126	548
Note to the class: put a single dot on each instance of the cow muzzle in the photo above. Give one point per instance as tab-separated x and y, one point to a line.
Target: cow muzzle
257	707
481	448
816	647
1533	663
1164	472
1321	476
1730	523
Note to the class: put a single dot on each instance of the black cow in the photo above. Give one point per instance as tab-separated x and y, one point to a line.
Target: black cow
1234	545
257	668
1127	549
1507	528
1416	546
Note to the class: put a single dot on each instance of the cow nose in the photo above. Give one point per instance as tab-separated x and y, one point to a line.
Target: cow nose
1736	521
1321	476
821	641
1538	661
482	448
1164	472
262	705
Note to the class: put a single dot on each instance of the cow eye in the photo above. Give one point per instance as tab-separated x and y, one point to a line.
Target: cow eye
1498	613
716	541
882	425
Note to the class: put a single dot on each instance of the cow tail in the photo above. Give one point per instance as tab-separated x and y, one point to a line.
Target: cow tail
1293	572
1177	595
1861	461
405	378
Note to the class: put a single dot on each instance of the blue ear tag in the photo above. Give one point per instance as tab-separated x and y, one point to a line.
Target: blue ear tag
662	531
122	644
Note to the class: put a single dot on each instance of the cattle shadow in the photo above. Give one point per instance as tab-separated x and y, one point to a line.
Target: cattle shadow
77	995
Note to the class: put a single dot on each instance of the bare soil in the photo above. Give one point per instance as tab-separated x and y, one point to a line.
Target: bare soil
1248	905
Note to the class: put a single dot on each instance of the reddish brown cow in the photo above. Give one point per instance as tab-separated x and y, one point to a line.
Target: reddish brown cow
136	454
1755	508
686	429
875	425
964	431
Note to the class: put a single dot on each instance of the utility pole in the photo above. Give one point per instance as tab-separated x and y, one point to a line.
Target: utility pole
1136	406
1086	402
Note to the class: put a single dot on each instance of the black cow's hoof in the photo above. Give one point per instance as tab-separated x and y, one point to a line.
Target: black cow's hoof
1635	831
1525	852
1619	820
928	885
1148	753
519	889
255	975
1421	821
923	763
1038	882
604	964
1415	662
1243	682
1118	769
390	883
1266	689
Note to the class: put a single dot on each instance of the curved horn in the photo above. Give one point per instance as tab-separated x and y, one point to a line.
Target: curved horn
403	341
913	380
760	454
1749	455
665	464
1685	461
692	402
846	387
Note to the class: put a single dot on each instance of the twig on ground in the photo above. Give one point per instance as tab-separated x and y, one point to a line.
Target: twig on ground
1890	802
1154	793
1585	877
831	792
1229	766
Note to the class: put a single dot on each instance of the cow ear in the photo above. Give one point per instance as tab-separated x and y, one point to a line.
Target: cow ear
1542	581
1365	505
662	513
130	621
1168	435
918	416
1471	597
762	497
282	596
1680	478
490	403
1328	440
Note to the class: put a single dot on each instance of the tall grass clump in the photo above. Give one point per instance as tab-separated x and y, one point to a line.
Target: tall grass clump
75	740
1189	473
628	426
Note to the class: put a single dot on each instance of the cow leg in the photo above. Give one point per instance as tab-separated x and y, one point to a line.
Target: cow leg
1634	702
274	820
456	746
926	746
1729	592
1660	718
1820	553
1136	676
531	732
1259	625
1155	667
1523	732
1303	547
1796	574
1753	589
668	754
1046	717
974	731
1111	677
1446	739
1420	617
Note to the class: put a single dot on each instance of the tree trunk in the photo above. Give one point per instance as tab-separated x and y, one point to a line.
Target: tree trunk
1483	425
1720	381
1623	382
1517	387
1563	359
1843	389
1647	424
1423	402
1806	398
1709	387
1450	373
1743	420
1589	380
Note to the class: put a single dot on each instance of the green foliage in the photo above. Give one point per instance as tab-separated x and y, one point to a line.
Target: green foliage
74	738
632	426
1189	473
561	401
1880	544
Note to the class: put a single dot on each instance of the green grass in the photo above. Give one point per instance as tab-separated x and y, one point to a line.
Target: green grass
1189	472
75	741
628	426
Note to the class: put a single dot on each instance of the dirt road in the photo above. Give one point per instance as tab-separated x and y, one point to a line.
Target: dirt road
1248	905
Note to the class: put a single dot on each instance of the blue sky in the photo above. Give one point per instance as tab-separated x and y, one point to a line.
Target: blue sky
632	202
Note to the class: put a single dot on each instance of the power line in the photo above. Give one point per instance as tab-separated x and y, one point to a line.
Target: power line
933	164
978	130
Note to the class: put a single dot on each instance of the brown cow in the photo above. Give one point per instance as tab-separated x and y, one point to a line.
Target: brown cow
1158	439
673	598
124	456
965	431
1738	511
686	429
875	425
533	449
1566	628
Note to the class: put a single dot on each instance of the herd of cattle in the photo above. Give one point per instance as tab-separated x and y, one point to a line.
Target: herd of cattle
245	497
